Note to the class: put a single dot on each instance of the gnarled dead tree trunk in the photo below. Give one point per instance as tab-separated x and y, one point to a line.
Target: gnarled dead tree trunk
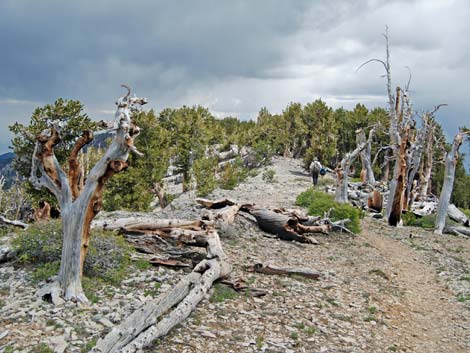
449	175
80	205
396	200
343	171
366	159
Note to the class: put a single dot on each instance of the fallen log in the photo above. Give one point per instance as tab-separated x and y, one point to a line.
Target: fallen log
141	328
285	227
423	208
6	221
168	262
216	204
273	270
455	214
462	231
240	285
144	223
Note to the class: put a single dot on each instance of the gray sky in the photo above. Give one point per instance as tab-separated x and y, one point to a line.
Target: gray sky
231	56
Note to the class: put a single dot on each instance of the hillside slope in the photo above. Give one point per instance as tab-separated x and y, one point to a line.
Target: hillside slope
382	291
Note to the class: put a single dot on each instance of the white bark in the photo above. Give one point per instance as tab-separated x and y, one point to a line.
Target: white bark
343	173
366	158
449	175
456	215
4	220
77	213
141	329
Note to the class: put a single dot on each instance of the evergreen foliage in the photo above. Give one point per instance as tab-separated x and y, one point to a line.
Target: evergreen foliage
41	244
320	203
73	121
180	137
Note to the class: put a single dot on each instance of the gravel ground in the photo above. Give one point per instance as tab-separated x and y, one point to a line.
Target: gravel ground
382	291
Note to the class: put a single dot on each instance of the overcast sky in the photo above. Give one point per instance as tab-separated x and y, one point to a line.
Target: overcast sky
233	57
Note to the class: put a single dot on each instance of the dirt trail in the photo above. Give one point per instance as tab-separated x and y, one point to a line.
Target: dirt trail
424	318
380	291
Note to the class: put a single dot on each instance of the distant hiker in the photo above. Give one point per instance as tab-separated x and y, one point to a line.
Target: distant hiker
315	170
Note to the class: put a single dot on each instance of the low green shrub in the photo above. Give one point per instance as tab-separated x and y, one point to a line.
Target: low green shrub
411	220
318	203
205	174
269	176
466	211
45	271
222	293
233	174
41	244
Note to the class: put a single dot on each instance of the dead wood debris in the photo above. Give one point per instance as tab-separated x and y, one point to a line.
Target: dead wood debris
274	270
287	224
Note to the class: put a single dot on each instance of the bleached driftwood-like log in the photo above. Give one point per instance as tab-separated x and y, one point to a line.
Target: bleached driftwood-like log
143	223
142	328
274	270
465	231
455	214
448	185
423	208
6	221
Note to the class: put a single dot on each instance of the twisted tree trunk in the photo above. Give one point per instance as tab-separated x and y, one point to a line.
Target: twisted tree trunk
342	173
80	203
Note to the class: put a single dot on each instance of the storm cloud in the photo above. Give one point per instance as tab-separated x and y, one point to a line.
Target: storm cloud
233	57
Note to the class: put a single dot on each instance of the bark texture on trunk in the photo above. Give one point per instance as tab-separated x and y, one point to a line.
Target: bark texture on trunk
367	173
449	175
342	173
396	199
425	176
79	203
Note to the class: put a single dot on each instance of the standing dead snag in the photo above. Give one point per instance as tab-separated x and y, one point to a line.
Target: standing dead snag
78	204
396	200
367	173
342	172
449	175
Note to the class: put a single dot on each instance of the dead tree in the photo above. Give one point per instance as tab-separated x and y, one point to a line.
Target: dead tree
424	140
342	173
394	112
397	198
80	205
449	175
366	159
